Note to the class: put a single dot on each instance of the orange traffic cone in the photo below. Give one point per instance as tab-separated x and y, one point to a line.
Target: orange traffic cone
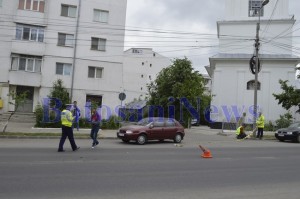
206	152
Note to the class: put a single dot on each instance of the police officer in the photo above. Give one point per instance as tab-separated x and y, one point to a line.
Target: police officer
260	124
67	131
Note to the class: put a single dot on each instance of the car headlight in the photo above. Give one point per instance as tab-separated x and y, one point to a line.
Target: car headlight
129	132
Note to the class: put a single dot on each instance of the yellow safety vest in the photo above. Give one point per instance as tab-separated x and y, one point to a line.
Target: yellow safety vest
238	130
66	118
260	122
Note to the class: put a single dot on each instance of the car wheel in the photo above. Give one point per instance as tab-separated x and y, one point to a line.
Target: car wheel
298	138
161	140
142	139
177	138
124	140
281	140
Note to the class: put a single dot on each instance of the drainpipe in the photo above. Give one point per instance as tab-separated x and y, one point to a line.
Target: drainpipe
75	50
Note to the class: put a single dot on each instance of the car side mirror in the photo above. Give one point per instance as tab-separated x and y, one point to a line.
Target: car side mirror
151	126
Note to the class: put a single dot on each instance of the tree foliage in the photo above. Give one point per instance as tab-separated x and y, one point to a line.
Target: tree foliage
177	81
58	91
289	97
18	99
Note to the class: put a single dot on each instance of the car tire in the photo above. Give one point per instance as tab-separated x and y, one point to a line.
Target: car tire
178	138
142	139
281	140
124	140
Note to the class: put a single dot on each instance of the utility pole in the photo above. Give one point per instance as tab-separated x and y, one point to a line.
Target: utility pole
257	45
75	50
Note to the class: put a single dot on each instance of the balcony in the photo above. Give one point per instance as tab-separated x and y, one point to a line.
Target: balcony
24	78
30	17
28	47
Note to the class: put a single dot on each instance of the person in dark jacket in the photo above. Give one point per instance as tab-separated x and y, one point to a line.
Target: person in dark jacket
95	121
76	115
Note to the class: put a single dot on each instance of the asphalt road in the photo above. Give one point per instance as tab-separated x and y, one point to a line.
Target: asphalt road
32	169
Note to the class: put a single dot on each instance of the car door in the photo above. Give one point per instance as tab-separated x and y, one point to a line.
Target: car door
170	129
156	132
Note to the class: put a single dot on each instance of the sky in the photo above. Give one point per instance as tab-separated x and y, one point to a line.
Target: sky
182	28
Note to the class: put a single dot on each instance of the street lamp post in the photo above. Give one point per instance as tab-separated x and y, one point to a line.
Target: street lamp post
257	44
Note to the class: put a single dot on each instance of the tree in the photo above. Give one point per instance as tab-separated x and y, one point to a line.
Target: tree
18	99
177	81
289	97
60	92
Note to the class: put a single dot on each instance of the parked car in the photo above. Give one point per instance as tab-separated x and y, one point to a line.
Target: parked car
152	129
290	133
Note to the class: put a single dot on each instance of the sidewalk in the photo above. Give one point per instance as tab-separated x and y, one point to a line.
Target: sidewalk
29	128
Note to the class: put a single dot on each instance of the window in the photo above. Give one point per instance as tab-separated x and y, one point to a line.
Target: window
34	5
26	63
101	16
29	33
170	123
95	72
63	69
159	123
251	85
137	51
65	39
255	8
98	44
94	100
68	11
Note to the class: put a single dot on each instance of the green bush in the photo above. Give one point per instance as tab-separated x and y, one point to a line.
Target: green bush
269	126
284	121
111	123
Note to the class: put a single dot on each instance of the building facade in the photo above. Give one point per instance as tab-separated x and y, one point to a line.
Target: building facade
232	81
141	66
78	41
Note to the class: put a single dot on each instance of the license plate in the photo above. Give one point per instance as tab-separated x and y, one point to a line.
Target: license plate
121	134
281	135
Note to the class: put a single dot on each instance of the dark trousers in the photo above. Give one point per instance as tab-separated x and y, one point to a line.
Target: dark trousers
67	132
241	136
94	134
260	132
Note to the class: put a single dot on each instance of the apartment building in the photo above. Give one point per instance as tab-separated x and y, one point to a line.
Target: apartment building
141	66
78	41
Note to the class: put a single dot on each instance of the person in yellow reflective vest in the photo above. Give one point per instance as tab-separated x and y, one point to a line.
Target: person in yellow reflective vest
240	132
67	130
260	124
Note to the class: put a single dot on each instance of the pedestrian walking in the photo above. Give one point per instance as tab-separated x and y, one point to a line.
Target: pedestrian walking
260	124
67	130
95	121
76	115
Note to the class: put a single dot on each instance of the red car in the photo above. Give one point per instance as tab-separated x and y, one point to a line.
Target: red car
152	129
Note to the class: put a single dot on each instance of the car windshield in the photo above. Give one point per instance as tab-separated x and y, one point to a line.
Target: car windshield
143	122
295	125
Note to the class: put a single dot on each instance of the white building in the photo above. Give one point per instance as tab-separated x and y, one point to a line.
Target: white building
78	41
232	87
141	66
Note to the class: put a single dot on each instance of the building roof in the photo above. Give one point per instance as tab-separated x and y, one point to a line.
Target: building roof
248	56
136	104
